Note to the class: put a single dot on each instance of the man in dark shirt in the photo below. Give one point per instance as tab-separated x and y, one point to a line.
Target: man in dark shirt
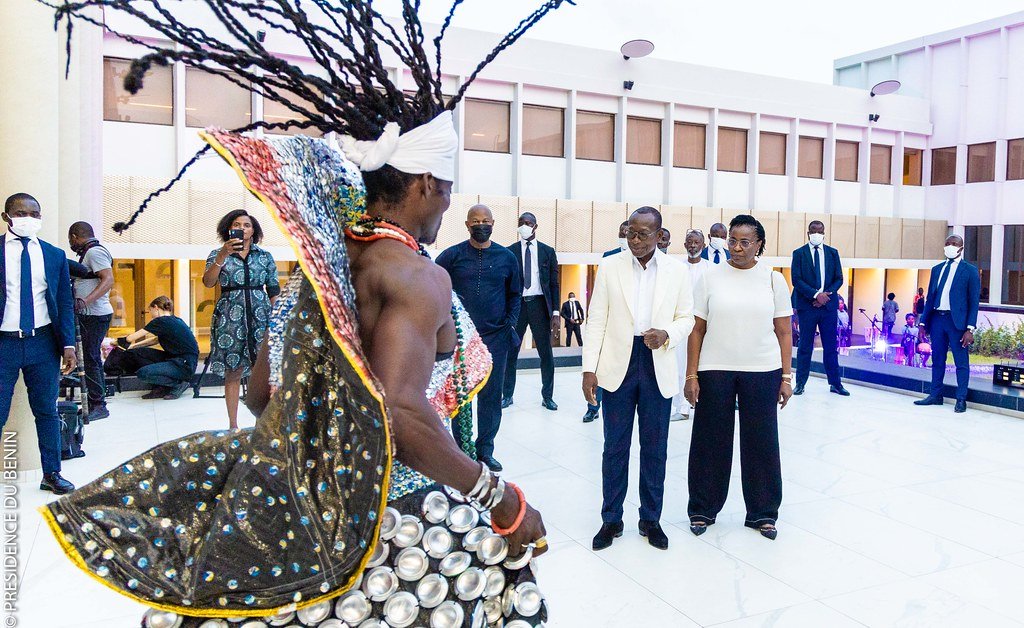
486	277
169	371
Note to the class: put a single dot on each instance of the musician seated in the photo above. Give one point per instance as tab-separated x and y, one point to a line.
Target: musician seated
908	340
170	369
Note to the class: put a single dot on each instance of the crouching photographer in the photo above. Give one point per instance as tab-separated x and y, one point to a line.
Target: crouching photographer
169	369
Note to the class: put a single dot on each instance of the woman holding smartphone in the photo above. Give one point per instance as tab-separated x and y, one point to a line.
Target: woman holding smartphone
248	282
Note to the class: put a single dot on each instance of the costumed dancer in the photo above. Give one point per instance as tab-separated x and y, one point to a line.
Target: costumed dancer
349	503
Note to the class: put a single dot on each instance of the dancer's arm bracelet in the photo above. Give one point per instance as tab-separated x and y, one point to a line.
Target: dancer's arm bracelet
519	517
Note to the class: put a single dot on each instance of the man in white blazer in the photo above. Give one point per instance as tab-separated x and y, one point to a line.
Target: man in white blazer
640	311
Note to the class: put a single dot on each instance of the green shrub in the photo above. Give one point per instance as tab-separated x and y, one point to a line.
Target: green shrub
1005	341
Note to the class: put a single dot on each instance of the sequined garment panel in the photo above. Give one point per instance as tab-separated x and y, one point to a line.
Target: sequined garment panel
437	564
279	317
255	519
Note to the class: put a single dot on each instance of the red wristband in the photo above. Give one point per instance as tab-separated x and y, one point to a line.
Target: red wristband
519	517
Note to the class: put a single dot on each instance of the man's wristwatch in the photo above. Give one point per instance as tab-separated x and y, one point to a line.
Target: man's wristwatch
970	328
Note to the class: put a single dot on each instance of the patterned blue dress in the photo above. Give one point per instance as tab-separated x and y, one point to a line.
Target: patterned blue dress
243	309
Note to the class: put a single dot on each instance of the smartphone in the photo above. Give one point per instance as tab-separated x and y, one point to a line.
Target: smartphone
237	234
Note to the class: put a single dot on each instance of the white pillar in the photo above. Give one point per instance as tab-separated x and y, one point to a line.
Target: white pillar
30	150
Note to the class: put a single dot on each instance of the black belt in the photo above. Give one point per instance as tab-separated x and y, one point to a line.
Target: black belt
21	334
235	288
533	296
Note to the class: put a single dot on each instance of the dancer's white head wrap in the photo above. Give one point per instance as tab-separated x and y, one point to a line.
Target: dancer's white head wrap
427	148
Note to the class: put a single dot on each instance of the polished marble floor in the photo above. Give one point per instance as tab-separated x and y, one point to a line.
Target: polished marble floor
892	515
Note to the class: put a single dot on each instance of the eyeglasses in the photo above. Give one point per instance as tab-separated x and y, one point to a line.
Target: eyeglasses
695	232
746	244
639	235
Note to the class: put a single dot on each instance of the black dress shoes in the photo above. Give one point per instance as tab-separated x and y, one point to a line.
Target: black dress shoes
799	390
839	390
607	533
506	402
590	416
929	401
549	404
655	535
961	406
54	483
491	463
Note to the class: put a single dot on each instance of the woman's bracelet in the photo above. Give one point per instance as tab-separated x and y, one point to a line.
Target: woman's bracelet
787	376
689	377
497	494
519	517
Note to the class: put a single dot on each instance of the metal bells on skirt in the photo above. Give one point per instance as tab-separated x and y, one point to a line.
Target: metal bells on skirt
437	565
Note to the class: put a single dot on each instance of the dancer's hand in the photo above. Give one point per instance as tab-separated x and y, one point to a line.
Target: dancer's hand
529	531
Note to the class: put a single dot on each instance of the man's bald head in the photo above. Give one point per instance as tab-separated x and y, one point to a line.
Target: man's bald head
479	214
718	230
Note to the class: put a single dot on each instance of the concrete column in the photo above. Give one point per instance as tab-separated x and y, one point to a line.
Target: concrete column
995	284
569	134
668	145
753	160
516	137
792	162
711	154
829	165
30	151
620	149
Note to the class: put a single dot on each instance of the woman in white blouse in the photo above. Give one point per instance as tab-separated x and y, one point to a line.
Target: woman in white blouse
740	350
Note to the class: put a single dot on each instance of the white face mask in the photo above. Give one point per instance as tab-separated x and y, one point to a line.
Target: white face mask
817	239
951	251
525	232
572	299
691	256
718	243
26	226
623	244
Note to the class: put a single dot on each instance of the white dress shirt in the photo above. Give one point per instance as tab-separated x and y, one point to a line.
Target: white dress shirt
535	289
821	253
643	292
943	302
12	312
697	270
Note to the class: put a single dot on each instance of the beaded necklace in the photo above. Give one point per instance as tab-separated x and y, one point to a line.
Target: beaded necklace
371	229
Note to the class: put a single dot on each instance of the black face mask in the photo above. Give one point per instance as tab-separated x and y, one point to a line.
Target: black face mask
481	233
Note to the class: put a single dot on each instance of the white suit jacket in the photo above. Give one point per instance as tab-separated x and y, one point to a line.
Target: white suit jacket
609	334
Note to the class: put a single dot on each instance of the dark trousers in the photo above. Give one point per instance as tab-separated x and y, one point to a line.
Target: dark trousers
638	396
534	313
946	337
38	360
94	329
711	446
825	321
572	329
160	369
488	402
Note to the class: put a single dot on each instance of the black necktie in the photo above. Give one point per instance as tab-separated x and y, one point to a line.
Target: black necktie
28	308
817	267
528	280
942	284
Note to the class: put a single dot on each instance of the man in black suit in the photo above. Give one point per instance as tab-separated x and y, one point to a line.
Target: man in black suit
950	315
623	243
817	276
572	314
37	328
541	296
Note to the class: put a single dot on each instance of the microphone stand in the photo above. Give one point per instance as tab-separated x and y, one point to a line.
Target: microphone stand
876	333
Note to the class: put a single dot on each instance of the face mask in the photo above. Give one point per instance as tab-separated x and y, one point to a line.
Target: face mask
481	233
817	239
572	299
663	249
951	251
718	243
623	244
525	232
693	256
26	226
